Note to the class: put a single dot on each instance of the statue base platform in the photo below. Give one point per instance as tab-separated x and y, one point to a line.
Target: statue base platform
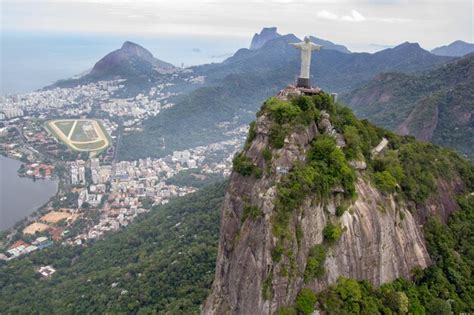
303	83
293	91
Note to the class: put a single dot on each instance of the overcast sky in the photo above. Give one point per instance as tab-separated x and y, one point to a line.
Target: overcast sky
355	23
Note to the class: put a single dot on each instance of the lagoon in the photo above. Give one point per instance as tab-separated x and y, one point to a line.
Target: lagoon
20	196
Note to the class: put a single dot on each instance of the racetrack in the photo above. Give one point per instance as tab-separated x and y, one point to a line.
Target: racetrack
85	135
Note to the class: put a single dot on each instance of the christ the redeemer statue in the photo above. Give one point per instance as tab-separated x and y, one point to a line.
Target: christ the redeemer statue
307	48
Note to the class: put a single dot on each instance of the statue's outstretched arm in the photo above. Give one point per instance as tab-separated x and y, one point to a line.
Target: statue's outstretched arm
297	45
315	46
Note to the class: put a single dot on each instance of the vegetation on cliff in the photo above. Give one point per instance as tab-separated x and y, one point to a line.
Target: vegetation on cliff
408	169
446	287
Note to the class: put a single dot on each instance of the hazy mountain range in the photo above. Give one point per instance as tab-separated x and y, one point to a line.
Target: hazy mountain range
234	89
457	48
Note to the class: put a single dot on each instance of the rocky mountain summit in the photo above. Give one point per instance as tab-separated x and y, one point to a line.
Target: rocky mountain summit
266	34
311	201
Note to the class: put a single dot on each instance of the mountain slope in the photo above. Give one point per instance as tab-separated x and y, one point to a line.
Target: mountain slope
162	263
131	62
437	106
310	201
236	87
329	45
455	49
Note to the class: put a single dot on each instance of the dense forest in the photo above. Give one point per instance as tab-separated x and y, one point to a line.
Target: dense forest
163	263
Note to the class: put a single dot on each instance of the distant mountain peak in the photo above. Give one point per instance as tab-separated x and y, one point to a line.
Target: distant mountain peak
267	33
130	59
131	46
408	45
457	48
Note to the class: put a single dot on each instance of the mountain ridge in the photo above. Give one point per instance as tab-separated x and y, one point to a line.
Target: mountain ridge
457	48
433	106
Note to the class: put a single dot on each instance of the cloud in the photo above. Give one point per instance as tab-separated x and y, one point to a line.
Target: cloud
326	15
356	17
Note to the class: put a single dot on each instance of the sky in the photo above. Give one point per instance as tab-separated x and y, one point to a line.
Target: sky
361	25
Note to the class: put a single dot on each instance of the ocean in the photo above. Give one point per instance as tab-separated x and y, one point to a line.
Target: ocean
30	61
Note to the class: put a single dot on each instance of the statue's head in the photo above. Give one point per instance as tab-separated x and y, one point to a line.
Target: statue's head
306	39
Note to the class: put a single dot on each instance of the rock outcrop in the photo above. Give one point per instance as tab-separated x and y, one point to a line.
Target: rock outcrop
267	33
381	241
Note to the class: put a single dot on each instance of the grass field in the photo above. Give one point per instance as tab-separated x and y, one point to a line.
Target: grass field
80	134
65	126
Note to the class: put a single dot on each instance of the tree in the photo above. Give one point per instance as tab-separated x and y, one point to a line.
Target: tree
305	301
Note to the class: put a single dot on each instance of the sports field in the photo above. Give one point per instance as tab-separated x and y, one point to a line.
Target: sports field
80	134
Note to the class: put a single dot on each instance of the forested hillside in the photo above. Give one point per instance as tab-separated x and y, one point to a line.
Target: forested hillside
163	263
437	106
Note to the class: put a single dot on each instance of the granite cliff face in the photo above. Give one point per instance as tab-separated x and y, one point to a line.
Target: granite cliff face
381	238
267	33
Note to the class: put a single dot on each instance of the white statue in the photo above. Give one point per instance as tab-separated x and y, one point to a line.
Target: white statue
307	48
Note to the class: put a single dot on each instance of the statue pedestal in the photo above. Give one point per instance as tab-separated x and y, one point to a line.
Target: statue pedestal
304	83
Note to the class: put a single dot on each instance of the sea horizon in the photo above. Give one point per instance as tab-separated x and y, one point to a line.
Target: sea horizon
31	61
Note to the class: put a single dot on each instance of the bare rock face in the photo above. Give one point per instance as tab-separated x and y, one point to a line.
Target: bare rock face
381	239
267	33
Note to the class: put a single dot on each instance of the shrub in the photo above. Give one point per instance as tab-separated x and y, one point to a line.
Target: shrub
277	252
322	147
252	212
324	101
277	136
439	307
305	301
353	142
315	263
340	210
385	181
252	134
281	111
303	102
267	155
332	232
267	290
245	167
286	311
